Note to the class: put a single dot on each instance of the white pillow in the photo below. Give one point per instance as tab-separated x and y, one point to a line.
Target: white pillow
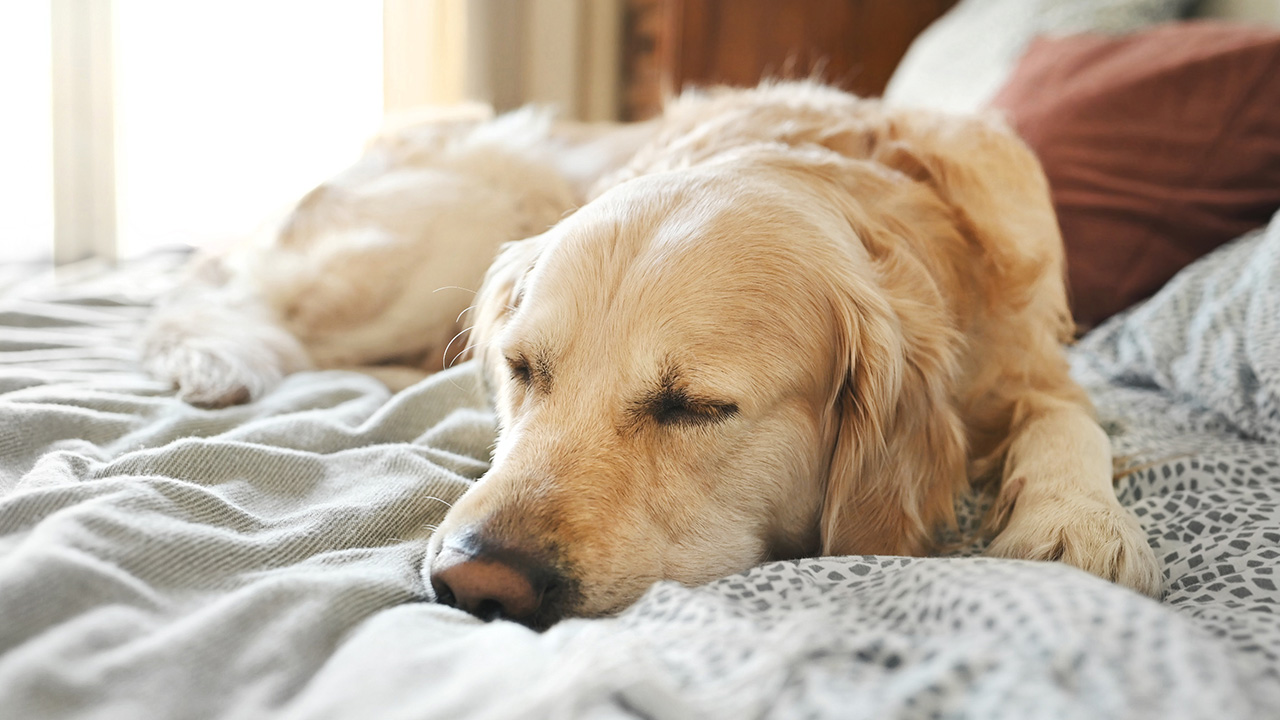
960	61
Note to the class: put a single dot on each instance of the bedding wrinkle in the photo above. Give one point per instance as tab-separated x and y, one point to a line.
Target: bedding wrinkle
208	561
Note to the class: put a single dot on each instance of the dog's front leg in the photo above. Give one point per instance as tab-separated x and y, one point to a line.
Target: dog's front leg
1057	500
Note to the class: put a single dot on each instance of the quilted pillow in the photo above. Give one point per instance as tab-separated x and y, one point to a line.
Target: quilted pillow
1159	147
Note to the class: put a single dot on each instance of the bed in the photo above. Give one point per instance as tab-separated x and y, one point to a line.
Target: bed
159	560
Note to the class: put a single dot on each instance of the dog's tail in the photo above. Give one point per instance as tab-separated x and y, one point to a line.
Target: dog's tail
217	346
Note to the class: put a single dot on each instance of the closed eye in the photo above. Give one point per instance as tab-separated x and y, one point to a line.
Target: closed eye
676	408
520	371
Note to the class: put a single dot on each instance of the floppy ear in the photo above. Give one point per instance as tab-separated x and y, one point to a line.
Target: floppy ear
899	455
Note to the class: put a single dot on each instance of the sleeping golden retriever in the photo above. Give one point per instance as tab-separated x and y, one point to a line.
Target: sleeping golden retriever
794	323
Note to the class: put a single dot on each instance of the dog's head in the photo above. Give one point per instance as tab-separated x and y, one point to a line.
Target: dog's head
698	371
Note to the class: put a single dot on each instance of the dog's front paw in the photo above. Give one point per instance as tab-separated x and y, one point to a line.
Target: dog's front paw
1095	535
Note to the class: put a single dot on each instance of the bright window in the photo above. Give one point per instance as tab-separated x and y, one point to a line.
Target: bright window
227	111
26	144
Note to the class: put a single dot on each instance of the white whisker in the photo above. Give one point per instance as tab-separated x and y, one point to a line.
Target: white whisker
444	357
461	352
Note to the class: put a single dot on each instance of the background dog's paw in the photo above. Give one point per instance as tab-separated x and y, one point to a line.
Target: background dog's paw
216	357
213	377
1098	536
210	379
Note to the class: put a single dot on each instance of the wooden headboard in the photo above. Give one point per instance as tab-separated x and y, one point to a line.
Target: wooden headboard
856	44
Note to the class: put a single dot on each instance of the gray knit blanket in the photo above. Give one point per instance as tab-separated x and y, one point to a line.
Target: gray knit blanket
163	561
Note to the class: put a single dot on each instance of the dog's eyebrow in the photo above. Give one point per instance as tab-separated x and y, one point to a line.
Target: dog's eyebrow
542	369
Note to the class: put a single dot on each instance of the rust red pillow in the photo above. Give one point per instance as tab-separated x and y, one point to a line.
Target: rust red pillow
1159	147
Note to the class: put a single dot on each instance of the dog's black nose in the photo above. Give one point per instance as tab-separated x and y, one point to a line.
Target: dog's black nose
497	584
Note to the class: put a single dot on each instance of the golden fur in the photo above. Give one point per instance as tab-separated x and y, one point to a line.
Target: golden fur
794	323
879	296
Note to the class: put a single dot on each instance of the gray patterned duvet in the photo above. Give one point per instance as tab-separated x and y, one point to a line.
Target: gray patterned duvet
161	561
